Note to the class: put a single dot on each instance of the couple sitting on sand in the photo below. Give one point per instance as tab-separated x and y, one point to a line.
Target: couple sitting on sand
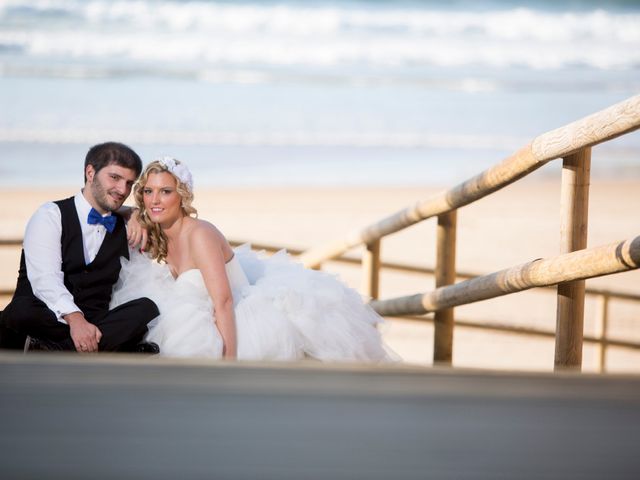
97	276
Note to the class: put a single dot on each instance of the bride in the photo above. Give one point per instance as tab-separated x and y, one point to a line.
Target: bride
220	303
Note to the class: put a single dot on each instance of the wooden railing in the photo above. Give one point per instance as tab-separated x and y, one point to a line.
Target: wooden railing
573	144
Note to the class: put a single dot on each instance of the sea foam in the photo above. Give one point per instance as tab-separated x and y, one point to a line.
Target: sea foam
376	35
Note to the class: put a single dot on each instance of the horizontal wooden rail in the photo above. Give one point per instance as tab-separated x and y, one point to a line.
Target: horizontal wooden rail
599	127
406	268
580	265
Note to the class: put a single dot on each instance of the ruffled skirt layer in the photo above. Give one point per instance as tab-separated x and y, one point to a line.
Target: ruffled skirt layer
282	311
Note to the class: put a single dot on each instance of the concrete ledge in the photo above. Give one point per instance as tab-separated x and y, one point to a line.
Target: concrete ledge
124	416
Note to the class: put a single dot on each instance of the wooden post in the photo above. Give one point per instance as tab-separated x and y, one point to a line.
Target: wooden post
574	206
602	329
445	274
371	270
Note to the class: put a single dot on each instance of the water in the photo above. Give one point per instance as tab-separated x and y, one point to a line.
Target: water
308	93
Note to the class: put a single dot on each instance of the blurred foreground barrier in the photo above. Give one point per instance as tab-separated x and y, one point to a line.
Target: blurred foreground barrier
165	418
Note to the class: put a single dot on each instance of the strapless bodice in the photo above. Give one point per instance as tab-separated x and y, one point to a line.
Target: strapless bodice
237	278
235	274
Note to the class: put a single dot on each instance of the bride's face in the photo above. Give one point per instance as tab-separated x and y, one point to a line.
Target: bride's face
161	199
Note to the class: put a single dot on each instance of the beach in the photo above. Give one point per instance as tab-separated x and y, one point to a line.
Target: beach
302	121
513	226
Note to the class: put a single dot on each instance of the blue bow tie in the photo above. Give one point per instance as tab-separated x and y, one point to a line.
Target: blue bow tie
109	222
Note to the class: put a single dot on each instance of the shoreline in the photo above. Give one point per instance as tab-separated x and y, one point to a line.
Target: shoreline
43	165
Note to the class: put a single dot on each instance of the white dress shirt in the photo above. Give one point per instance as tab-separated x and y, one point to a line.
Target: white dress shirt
43	253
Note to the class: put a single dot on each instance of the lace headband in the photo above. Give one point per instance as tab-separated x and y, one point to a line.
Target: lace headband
180	170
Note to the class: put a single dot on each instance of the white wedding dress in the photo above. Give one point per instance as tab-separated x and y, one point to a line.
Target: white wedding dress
283	311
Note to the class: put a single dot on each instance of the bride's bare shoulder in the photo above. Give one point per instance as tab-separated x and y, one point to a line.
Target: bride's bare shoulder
207	230
206	240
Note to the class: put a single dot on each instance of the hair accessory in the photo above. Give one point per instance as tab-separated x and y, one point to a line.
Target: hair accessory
178	169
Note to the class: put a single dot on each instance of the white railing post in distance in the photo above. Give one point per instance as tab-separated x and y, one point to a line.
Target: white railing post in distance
445	274
574	210
602	330
371	270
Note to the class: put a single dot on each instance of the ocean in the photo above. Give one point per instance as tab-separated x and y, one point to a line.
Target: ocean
309	93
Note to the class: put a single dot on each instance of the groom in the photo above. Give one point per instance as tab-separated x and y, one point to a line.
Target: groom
69	263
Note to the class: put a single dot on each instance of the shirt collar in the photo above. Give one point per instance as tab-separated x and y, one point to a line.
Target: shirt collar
83	207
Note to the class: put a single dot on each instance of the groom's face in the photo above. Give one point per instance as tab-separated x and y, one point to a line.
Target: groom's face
110	186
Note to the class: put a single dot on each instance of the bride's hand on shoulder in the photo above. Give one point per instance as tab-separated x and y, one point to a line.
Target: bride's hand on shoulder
137	235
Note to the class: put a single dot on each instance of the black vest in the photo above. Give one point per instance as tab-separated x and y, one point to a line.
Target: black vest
91	284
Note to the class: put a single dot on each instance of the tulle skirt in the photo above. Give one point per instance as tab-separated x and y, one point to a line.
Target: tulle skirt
283	311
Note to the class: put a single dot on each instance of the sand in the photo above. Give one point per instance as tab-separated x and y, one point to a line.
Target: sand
516	225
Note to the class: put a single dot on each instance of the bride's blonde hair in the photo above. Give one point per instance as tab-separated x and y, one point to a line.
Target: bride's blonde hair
157	246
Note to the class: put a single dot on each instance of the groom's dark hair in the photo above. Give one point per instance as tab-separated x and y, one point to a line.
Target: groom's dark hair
109	153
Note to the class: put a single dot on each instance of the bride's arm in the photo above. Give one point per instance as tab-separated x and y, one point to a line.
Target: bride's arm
137	235
208	253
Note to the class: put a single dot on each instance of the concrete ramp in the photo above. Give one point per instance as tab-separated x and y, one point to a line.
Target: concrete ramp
96	417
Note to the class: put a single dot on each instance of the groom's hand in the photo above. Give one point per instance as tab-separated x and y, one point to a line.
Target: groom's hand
85	335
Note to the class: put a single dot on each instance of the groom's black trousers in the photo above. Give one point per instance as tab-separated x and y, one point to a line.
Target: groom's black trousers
122	328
